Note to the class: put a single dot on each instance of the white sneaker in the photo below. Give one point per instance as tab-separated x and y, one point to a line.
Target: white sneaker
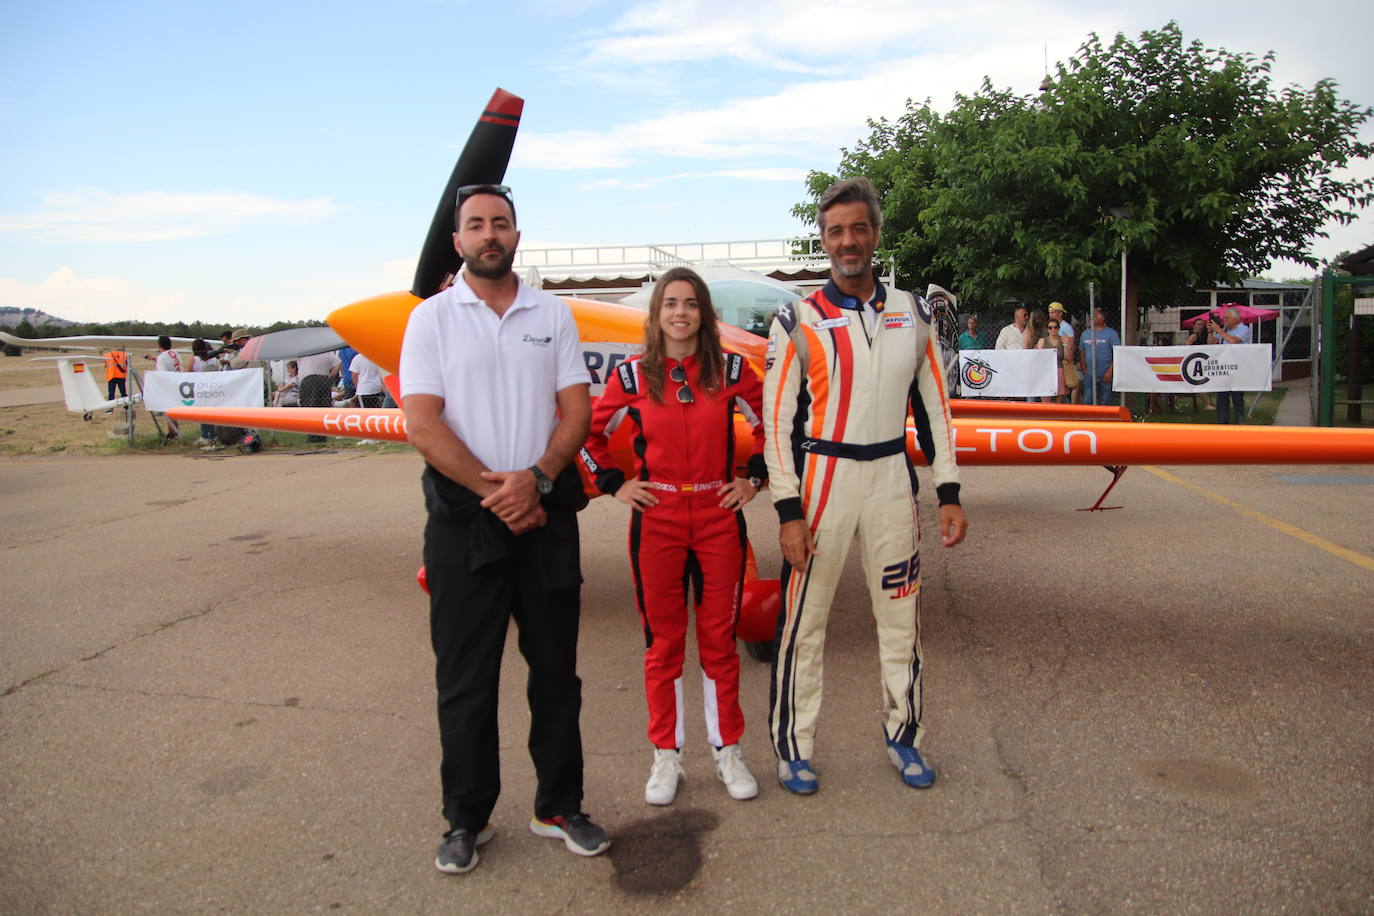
739	782
661	788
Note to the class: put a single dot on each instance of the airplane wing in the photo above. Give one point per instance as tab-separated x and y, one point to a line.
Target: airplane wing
91	342
987	441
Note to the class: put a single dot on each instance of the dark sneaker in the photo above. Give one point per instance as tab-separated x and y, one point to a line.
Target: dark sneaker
797	777
908	762
577	832
457	854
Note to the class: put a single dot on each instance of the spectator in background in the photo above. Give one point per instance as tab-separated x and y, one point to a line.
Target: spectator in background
971	338
350	389
1013	336
202	360
1033	337
1035	330
366	377
1199	337
288	393
1095	349
1063	355
168	361
1058	314
116	373
317	373
1231	330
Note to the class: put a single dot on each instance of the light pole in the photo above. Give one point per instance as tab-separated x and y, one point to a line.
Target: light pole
1120	213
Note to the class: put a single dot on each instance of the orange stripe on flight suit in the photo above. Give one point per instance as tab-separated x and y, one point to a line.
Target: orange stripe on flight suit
844	357
818	381
778	436
944	400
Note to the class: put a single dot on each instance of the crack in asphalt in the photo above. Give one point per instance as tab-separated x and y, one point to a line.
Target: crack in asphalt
167	624
288	703
199	496
966	632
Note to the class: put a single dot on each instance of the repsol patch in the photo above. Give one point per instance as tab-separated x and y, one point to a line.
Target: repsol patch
898	320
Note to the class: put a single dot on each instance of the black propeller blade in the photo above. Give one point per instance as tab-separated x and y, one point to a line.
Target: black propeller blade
483	161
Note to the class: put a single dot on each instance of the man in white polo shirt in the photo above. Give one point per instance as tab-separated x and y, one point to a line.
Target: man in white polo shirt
495	394
1013	336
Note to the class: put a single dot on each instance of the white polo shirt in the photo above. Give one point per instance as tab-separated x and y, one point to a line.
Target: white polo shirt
498	376
369	374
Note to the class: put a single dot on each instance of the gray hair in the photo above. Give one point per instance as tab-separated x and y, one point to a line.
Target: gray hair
846	191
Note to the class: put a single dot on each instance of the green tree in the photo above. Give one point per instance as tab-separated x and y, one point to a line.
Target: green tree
1012	196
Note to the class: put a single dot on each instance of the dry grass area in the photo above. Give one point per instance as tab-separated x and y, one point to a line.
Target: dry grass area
48	428
45	429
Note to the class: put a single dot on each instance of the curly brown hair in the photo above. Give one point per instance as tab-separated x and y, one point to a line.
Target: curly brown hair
710	357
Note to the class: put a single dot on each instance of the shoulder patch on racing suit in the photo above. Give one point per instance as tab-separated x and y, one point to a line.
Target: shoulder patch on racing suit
734	368
629	378
787	315
922	307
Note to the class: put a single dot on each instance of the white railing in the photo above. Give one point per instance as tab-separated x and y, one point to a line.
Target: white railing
607	261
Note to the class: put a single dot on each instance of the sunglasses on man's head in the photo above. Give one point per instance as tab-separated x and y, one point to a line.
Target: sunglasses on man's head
468	190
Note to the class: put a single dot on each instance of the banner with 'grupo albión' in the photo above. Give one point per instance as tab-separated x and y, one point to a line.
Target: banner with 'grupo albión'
235	388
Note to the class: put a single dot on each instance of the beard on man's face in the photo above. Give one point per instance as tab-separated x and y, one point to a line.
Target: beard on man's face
857	267
487	267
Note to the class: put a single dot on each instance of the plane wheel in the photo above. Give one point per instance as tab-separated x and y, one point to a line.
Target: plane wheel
759	651
86	417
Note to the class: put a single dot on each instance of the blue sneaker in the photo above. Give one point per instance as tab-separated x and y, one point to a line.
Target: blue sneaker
797	777
908	762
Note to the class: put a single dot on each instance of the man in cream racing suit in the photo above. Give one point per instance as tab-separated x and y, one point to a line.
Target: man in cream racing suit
842	367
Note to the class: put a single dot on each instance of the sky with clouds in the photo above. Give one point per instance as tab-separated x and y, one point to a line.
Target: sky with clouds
253	161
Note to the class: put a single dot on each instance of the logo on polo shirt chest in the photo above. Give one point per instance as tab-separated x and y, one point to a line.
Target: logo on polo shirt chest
538	341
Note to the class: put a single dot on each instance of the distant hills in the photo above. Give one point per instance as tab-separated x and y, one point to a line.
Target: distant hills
10	317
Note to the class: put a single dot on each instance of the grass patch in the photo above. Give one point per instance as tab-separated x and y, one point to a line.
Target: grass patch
1183	409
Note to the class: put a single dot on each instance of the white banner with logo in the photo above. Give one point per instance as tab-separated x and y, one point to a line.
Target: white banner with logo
1008	373
236	388
1187	370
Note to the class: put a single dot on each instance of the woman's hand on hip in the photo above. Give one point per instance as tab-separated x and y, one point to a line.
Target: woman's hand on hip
636	494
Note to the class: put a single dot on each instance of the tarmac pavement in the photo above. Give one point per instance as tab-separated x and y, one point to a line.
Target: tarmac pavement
216	695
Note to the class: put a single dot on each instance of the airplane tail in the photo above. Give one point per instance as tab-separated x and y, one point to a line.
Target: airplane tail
79	387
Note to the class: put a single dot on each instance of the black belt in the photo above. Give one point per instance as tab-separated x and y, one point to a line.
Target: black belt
834	449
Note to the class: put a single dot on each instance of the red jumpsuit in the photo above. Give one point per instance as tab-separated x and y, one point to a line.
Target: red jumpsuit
684	452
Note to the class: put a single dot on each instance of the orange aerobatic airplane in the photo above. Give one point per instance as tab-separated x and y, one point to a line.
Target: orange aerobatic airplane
986	432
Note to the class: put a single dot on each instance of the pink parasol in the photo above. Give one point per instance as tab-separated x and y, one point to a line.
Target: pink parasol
1248	313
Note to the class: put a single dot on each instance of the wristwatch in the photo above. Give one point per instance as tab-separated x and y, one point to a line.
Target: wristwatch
757	482
541	480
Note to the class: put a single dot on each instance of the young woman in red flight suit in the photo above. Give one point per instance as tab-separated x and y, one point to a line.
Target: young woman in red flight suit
681	396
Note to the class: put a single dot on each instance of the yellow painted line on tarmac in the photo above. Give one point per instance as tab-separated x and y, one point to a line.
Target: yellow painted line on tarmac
1307	537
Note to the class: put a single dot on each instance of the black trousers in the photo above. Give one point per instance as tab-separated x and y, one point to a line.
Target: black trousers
480	576
1231	407
315	393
